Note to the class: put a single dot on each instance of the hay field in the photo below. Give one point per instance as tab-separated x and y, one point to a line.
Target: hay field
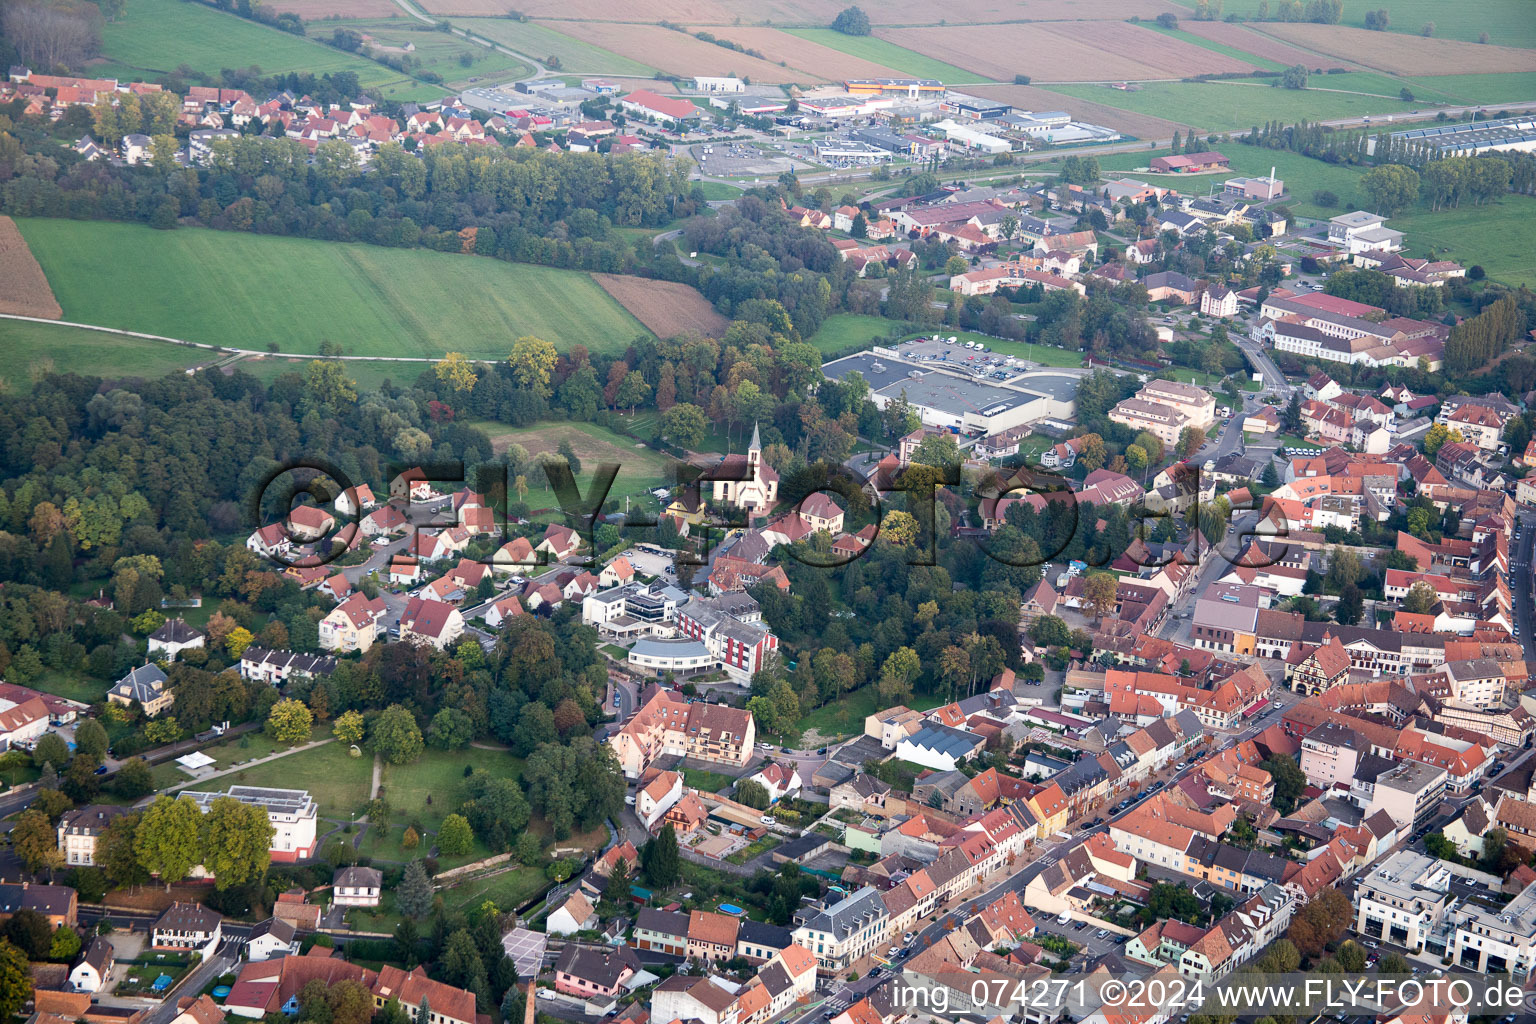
24	289
667	308
1064	51
810	57
1143	125
1399	54
675	51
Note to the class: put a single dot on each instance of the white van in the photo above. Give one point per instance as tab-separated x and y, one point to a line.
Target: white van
1065	918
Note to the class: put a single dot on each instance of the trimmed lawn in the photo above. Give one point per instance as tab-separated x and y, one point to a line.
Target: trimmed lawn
845	330
1236	106
845	717
431	788
135	278
898	58
253	745
641	468
338	782
716	439
157	36
718	190
367	375
1501	236
706	781
1302	176
71	685
541	42
35	349
507	890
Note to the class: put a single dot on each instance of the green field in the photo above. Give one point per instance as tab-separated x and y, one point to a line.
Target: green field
429	789
1302	175
640	468
718	190
338	782
644	422
508	890
222	287
844	330
435	51
1214	46
1512	87
367	375
156	36
36	348
1236	106
539	42
1507	22
845	717
897	58
1501	237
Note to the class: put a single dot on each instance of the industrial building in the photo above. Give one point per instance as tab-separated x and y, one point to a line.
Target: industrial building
953	400
1511	134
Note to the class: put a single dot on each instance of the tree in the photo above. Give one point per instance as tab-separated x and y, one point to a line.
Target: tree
533	359
1289	780
348	727
851	21
1421	597
1351	956
1099	590
1190	440
91	740
134	779
451	729
455	838
1391	187
414	894
15	978
168	840
50	749
456	371
65	945
685	425
1344	568
1377	20
396	736
898	673
1435	438
289	721
1350	605
1294	77
659	858
1290	420
753	794
237	841
1321	922
35	840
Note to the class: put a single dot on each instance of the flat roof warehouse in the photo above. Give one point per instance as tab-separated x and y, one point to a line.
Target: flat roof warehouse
946	399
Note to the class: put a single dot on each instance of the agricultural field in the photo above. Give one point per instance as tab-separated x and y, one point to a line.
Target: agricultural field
1250	40
666	308
1215	46
156	36
1147	124
541	43
32	350
1064	51
314	10
371	300
1515	86
1236	106
812	12
676	51
885	54
1507	22
434	51
24	290
811	57
640	468
1400	54
1500	236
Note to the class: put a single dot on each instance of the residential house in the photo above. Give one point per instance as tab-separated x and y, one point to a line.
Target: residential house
431	622
80	828
574	915
272	937
173	637
353	625
144	686
357	887
594	972
95	965
188	927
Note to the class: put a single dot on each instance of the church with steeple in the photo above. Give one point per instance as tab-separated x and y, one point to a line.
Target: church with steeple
746	481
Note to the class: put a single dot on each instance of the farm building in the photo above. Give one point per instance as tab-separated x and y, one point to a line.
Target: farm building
1190	163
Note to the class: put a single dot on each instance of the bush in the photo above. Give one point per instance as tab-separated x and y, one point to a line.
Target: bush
1323	197
1167	20
1020	79
1476	272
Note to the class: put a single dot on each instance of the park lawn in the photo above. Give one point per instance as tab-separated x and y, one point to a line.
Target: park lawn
1507	22
33	349
1500	237
706	781
438	52
218	286
1496	88
716	438
897	58
157	36
718	190
1214	46
368	375
71	685
251	745
842	331
339	782
1046	355
641	468
1226	106
508	890
541	43
432	787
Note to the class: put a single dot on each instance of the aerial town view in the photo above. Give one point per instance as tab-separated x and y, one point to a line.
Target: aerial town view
979	512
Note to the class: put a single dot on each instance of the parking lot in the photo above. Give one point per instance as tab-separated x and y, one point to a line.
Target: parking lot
955	355
648	562
740	160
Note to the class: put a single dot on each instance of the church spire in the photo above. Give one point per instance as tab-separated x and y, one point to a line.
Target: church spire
757	444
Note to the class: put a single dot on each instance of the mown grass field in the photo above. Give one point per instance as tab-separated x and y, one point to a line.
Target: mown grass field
432	787
1236	106
338	781
246	290
1501	236
33	349
540	42
368	376
891	55
640	468
1507	22
161	35
1495	89
842	330
436	51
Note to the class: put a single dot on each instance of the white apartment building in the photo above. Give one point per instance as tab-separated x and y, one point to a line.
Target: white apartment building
843	933
292	813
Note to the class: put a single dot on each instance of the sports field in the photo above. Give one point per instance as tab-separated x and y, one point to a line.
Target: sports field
640	468
246	291
161	35
541	42
35	349
888	54
1236	106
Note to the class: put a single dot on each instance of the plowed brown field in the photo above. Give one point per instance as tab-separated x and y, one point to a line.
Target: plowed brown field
812	58
814	12
1400	54
24	289
1251	41
676	51
1064	51
667	308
